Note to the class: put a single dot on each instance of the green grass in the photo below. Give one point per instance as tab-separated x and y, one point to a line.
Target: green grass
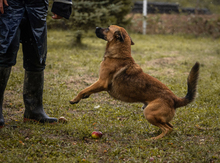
126	133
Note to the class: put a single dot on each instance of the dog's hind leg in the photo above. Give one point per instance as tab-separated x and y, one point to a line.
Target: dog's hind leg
170	125
159	114
165	130
168	130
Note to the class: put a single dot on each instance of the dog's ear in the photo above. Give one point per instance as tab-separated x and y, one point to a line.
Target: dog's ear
132	43
119	35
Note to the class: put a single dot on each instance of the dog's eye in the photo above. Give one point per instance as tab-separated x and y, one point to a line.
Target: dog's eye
107	29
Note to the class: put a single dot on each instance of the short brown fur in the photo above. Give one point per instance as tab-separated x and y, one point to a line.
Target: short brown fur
124	80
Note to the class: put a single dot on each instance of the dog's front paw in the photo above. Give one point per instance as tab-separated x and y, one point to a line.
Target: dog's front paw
73	102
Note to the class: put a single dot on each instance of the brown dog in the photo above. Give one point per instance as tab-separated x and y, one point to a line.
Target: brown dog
124	80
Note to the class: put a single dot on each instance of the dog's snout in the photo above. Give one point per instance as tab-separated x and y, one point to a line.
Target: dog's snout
99	33
97	29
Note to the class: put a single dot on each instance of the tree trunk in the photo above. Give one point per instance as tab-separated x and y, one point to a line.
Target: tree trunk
78	37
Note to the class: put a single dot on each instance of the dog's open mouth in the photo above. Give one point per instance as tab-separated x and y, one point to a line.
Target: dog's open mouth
99	33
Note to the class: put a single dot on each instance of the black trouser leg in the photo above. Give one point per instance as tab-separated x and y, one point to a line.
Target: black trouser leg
4	75
32	94
7	60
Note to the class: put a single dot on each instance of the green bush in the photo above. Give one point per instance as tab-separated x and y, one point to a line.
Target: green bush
89	14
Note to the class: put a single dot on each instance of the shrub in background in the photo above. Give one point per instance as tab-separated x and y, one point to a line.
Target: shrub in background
88	14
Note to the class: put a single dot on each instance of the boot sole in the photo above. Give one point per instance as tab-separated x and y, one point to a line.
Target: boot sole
33	120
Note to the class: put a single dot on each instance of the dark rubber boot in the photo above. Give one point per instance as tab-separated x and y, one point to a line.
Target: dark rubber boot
4	75
32	94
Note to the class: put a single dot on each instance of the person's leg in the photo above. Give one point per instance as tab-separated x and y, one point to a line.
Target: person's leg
4	75
33	97
34	78
7	60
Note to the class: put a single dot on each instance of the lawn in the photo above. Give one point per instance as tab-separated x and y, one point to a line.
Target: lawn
126	133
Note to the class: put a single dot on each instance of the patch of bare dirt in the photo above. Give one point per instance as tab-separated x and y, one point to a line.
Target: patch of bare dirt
161	66
161	61
86	80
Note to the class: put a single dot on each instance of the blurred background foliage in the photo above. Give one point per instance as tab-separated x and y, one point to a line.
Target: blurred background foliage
88	14
212	5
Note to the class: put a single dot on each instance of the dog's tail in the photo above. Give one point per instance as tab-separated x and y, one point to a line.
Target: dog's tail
192	84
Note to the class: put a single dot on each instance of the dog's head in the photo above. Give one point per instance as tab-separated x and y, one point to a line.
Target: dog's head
113	32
